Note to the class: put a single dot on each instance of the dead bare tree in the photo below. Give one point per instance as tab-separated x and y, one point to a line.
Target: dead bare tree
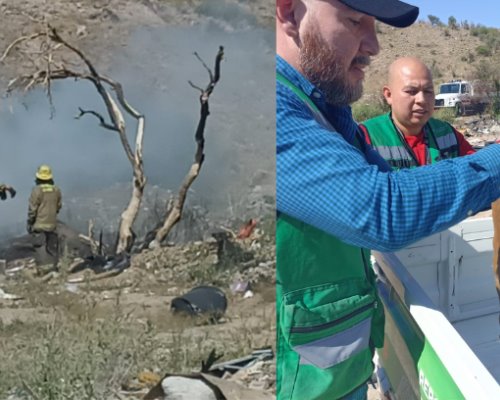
49	64
174	210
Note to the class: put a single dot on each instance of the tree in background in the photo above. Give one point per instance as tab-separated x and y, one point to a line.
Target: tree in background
452	23
435	21
50	64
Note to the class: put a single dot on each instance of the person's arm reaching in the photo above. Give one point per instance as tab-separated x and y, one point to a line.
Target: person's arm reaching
325	182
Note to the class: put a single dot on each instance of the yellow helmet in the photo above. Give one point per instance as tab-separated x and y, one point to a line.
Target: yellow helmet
44	173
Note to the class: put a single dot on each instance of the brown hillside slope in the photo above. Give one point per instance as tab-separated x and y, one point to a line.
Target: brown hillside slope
447	52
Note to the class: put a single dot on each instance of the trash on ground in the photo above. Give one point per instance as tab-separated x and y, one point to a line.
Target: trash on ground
247	229
208	300
8	296
237	364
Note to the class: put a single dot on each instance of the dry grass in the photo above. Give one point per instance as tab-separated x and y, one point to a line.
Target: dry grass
81	347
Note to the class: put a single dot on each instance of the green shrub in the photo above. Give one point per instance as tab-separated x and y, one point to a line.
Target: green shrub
479	30
486	71
490	37
495	103
483	51
435	21
364	111
445	114
452	23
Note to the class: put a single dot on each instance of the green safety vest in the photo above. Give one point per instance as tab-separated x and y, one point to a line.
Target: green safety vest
329	317
442	142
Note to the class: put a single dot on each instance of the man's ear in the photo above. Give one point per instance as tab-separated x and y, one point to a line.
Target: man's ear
387	95
285	17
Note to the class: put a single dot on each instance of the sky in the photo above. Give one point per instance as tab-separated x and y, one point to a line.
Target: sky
484	12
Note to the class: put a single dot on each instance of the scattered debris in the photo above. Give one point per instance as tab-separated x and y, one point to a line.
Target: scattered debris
185	387
233	366
144	380
247	229
8	296
259	376
480	131
240	286
100	264
71	287
208	384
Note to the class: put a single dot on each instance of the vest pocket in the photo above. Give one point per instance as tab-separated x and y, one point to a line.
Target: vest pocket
328	329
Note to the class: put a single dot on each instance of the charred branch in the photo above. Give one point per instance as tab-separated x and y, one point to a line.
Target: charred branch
175	212
103	123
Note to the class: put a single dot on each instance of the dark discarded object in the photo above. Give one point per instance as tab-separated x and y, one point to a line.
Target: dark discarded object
201	300
100	264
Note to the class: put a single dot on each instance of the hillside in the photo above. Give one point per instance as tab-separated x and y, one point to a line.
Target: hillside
102	27
450	53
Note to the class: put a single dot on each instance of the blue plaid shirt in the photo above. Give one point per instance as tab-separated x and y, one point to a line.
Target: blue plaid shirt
324	181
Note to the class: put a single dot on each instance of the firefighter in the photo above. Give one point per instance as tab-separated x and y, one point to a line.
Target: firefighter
44	205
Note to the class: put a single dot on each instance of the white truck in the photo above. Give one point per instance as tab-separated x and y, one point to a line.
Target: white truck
462	96
442	316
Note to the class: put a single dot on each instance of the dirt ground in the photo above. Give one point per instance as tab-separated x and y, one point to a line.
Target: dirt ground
77	335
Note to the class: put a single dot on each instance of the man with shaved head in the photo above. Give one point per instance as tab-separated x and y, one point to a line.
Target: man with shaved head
336	198
408	136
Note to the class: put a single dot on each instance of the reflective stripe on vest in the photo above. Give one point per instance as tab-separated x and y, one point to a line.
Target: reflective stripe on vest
47	187
441	138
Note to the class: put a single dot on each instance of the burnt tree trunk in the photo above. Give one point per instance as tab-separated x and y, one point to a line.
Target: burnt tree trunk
174	214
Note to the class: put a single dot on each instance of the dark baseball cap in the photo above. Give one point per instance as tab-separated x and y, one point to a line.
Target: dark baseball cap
391	12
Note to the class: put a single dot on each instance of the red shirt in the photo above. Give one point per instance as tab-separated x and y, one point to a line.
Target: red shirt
417	144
